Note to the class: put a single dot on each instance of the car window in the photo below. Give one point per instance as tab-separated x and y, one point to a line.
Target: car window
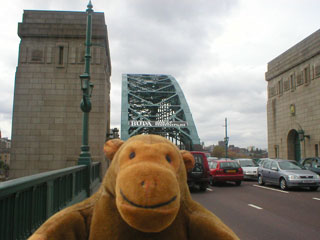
267	164
198	158
213	165
307	163
289	165
274	165
229	165
247	163
316	163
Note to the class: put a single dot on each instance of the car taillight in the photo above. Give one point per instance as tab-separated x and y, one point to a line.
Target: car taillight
240	170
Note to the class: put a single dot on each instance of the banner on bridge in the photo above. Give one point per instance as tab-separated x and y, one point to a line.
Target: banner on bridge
158	124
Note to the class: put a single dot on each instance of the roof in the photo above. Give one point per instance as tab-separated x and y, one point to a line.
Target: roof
281	160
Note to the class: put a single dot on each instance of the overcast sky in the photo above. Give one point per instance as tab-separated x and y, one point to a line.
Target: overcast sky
217	50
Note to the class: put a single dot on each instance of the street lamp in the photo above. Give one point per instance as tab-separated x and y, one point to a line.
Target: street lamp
87	88
226	139
302	136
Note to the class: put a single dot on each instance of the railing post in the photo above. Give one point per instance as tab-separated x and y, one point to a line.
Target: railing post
33	209
88	180
49	198
73	184
15	216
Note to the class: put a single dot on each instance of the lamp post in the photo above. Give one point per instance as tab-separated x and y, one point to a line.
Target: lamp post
86	87
226	139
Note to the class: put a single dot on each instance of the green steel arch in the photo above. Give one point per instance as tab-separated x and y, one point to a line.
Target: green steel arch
155	104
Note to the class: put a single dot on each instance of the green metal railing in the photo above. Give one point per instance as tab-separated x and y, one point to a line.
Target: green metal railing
25	203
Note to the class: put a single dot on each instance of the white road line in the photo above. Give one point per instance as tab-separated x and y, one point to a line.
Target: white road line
254	206
209	189
316	198
277	190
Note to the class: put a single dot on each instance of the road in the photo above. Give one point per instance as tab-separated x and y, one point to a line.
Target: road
255	212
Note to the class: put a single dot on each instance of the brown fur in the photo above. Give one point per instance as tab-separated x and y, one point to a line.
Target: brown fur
144	195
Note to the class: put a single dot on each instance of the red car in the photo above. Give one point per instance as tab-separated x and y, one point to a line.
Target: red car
200	174
225	171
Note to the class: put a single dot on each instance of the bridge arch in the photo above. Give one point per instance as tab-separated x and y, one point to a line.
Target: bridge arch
155	104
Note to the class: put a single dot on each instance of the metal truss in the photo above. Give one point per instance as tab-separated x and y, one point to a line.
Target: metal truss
155	104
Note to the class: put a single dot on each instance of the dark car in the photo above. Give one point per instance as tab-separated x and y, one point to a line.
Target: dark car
225	171
312	164
199	176
286	174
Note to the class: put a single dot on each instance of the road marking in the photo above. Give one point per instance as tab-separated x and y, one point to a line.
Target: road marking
277	190
209	189
254	206
316	198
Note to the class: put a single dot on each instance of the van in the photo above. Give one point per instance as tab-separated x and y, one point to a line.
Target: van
199	176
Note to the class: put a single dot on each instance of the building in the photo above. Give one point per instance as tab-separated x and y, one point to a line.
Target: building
47	119
293	107
251	148
221	143
5	147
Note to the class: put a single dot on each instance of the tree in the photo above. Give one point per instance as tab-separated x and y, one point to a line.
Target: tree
218	152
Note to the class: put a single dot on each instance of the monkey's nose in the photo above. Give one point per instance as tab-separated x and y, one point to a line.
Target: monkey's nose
149	186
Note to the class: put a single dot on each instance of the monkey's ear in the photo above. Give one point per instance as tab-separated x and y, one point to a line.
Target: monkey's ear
188	159
111	147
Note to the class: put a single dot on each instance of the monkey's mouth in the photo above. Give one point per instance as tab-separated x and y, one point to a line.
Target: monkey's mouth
147	206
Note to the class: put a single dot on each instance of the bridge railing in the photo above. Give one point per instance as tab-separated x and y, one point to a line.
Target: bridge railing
25	203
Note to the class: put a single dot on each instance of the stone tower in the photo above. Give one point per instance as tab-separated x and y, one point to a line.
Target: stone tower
293	108
47	119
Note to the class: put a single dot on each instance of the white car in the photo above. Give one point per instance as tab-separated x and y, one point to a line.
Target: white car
249	167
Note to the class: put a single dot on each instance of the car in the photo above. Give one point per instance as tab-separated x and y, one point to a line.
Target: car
312	164
249	167
256	160
199	176
260	162
211	159
225	171
287	174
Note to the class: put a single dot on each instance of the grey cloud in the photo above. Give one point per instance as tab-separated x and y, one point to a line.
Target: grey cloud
168	36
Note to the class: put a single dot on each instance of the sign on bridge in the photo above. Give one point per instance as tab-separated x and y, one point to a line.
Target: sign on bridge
158	124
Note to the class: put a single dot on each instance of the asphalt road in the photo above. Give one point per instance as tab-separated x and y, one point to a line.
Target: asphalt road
253	212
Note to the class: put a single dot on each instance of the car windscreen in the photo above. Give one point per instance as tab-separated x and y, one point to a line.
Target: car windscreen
288	165
247	163
224	165
212	165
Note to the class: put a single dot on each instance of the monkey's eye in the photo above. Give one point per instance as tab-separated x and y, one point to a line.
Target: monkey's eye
168	158
132	155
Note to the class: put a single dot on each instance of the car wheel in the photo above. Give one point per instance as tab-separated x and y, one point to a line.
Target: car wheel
313	188
211	181
260	180
283	184
238	183
203	186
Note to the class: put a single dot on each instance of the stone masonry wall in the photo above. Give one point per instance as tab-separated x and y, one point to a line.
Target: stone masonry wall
293	98
47	119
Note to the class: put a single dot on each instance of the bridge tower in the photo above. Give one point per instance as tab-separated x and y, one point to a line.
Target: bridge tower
155	104
47	119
